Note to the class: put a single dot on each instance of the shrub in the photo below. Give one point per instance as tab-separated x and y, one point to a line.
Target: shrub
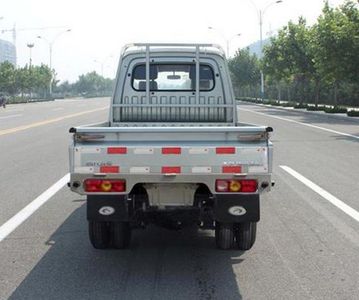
353	113
247	99
268	102
316	108
301	105
336	110
274	103
288	104
16	100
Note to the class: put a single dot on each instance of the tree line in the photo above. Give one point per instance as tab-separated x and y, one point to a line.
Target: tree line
306	64
31	82
89	85
24	81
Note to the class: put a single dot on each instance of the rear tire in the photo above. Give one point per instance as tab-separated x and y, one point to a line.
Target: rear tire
245	234
99	233
120	234
224	235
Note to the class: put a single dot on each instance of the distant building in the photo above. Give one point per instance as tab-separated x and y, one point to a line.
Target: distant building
7	52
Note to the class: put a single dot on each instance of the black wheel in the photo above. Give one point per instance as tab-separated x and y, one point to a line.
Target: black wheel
120	234
99	233
224	235
245	234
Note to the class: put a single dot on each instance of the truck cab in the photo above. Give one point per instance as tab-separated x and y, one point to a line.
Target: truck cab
173	84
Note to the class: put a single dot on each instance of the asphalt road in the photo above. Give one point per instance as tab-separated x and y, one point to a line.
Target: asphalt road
308	237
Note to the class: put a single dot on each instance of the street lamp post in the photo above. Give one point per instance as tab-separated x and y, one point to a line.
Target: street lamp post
30	46
260	13
228	41
51	44
102	62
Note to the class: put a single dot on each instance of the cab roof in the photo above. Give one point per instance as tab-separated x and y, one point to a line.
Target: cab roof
142	48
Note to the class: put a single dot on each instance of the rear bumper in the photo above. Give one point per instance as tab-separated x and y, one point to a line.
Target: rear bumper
236	208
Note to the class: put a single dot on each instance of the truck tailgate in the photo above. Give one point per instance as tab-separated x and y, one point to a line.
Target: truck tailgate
150	154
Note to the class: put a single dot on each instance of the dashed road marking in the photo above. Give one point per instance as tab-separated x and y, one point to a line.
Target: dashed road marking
11	116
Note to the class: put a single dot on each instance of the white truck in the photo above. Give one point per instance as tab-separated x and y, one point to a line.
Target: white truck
172	152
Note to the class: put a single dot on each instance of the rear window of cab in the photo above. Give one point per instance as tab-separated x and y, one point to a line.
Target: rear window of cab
173	77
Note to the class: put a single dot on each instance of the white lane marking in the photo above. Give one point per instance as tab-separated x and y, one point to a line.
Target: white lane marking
326	195
14	109
67	100
59	108
11	116
28	210
304	124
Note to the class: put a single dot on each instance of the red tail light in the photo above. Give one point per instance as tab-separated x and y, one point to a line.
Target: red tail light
117	150
171	150
249	186
109	169
236	186
167	169
104	186
225	150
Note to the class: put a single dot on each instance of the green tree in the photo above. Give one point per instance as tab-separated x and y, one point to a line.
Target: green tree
244	68
41	78
7	78
89	83
337	45
23	80
301	55
290	58
65	88
276	62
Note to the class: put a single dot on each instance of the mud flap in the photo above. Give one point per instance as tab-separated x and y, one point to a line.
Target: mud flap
236	208
107	208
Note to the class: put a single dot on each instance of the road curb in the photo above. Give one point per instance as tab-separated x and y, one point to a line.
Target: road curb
322	114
